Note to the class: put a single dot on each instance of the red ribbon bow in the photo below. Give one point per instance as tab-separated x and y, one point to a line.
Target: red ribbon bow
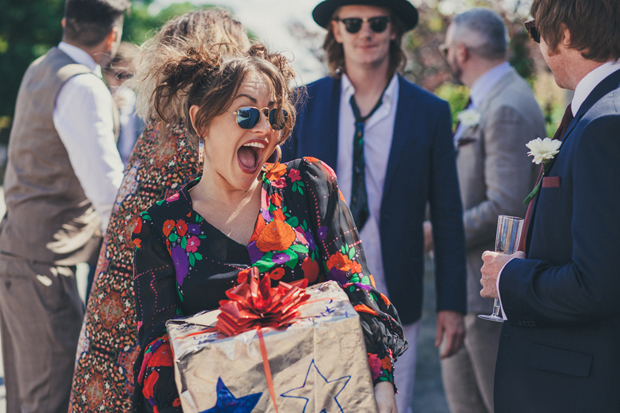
255	304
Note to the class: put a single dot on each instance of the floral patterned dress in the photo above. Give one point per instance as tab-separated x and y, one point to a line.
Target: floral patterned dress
304	229
103	379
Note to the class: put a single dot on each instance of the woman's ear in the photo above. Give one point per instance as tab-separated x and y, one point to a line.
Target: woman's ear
193	112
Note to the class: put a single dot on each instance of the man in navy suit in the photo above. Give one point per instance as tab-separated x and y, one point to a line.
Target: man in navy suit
391	144
560	346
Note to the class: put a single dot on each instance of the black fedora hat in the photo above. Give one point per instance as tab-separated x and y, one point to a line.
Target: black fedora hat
405	11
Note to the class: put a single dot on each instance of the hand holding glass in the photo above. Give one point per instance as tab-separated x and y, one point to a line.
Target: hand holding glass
506	242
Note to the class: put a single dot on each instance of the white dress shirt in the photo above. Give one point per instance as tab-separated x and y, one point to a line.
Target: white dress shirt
378	133
481	88
582	91
84	121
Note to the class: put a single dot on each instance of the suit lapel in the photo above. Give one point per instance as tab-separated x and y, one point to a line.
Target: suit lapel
403	125
608	84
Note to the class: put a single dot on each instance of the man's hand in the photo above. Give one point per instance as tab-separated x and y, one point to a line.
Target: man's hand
451	324
493	264
384	395
428	236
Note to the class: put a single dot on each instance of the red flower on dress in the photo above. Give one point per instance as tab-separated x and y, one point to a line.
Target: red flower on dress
279	183
375	366
173	198
138	227
168	226
310	269
150	381
192	244
294	175
181	227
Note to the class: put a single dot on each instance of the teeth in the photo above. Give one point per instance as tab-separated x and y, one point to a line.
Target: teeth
256	145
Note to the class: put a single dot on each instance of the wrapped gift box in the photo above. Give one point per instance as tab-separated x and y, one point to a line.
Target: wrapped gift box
317	364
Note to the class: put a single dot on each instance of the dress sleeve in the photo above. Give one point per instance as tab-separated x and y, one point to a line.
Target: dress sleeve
343	260
156	302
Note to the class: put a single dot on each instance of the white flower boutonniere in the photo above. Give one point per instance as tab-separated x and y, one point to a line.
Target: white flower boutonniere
469	118
543	150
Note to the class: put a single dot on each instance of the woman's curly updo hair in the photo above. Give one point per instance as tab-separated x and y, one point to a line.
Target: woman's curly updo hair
194	29
212	80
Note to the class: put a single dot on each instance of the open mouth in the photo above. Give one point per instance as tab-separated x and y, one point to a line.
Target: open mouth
249	156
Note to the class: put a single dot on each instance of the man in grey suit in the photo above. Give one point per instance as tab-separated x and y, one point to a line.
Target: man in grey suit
495	176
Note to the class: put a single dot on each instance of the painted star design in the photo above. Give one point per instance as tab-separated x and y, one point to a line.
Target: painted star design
322	387
227	403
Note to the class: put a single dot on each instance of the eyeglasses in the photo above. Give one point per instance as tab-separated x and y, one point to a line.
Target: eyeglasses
531	28
354	24
248	117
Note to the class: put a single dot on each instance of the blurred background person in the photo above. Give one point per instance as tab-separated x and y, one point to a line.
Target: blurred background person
120	69
62	177
495	176
163	161
391	145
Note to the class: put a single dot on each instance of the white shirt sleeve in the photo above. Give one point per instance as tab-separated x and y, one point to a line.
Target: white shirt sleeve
499	297
84	121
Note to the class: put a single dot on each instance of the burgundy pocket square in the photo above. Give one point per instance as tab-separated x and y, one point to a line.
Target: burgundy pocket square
551	182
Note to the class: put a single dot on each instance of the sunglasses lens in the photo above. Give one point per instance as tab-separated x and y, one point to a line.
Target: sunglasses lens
352	25
378	24
277	119
247	118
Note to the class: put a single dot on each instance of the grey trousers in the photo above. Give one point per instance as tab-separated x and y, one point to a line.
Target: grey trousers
468	375
40	319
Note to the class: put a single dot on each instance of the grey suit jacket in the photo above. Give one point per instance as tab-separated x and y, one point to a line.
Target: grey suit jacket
495	172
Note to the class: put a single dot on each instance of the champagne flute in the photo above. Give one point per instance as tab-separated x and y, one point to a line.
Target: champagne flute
506	241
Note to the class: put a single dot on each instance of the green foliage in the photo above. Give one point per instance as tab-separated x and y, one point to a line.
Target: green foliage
456	95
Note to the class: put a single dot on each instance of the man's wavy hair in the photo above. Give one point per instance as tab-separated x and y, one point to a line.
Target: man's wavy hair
334	52
594	26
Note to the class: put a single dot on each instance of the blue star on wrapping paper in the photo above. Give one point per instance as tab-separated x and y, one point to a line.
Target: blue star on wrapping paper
304	392
227	403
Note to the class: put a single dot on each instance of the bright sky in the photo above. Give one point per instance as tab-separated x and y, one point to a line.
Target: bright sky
270	20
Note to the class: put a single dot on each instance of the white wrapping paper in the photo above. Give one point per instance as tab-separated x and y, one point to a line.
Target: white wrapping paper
317	364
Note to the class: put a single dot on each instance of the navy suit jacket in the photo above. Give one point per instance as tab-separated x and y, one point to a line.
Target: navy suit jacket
421	168
560	350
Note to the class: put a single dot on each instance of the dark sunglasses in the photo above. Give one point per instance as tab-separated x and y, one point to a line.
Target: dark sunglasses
248	117
354	24
530	26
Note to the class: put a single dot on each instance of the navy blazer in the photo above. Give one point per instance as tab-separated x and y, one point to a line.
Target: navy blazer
560	350
421	168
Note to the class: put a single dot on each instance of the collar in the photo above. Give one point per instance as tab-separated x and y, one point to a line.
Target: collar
347	90
485	83
80	56
591	81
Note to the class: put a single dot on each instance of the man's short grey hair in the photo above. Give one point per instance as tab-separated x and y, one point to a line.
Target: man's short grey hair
483	32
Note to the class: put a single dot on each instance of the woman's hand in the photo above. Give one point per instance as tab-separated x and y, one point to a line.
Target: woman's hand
386	400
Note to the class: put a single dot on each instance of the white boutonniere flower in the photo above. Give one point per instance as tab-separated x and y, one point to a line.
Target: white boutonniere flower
543	150
469	118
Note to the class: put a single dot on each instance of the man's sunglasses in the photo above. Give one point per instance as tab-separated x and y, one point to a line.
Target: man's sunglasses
531	28
354	24
248	117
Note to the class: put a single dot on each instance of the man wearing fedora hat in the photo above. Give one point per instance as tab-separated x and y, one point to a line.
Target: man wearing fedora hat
391	144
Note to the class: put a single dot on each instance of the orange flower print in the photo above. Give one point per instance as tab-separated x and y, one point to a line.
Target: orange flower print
340	262
356	268
277	236
276	200
168	226
181	227
386	300
276	173
276	274
310	269
311	159
258	228
278	215
386	363
137	242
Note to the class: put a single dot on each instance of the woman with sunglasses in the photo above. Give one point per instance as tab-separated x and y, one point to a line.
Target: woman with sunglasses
287	220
